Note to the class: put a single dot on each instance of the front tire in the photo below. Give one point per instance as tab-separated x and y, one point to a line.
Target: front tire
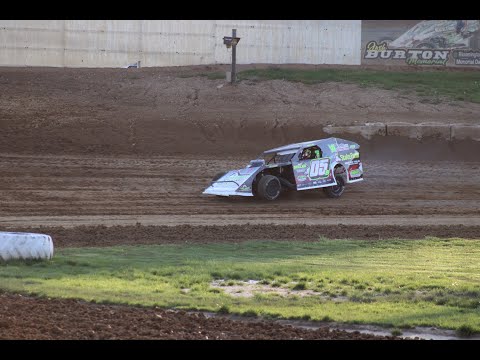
269	187
335	191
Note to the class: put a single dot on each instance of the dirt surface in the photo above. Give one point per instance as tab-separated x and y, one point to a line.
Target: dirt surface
168	190
71	319
100	235
117	147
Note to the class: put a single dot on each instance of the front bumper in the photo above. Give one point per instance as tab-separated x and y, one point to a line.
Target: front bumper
226	188
218	192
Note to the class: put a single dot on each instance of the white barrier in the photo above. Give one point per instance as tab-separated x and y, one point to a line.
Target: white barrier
23	246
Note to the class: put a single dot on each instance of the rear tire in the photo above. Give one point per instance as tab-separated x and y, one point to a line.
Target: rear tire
336	191
269	187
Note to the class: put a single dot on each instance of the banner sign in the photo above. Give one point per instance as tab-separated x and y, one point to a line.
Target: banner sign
417	42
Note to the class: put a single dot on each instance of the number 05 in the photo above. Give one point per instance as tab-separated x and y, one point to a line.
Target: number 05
318	167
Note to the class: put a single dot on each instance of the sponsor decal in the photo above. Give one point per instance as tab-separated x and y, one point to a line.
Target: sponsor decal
466	57
300	166
332	147
342	147
301	178
355	173
421	42
244	188
314	183
374	50
350	156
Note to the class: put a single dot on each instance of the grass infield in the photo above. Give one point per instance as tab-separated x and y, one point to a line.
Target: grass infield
393	283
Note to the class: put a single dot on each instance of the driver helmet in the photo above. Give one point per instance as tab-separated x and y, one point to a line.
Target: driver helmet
307	153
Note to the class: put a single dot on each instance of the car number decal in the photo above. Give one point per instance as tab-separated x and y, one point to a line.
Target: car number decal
318	168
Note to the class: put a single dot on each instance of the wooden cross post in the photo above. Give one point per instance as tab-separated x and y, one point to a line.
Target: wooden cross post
231	42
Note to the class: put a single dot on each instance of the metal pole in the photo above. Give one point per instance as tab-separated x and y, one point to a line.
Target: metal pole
234	54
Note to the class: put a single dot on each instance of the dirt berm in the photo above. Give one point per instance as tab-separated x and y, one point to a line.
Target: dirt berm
155	111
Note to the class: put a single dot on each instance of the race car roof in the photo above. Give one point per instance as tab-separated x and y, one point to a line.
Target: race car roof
302	145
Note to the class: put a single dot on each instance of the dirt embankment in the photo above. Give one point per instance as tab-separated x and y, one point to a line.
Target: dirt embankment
154	111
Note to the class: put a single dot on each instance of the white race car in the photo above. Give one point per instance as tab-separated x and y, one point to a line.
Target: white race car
329	164
438	34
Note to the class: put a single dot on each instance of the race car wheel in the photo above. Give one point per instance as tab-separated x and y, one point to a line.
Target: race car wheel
269	187
337	190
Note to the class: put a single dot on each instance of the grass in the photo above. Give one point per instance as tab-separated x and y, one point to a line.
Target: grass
434	86
396	332
394	283
465	331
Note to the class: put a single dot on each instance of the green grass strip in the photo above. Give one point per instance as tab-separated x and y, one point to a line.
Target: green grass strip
396	283
433	86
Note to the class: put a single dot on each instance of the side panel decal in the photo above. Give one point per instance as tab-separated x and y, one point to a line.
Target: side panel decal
313	173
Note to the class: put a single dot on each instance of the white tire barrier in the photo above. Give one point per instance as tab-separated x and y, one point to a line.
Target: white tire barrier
23	246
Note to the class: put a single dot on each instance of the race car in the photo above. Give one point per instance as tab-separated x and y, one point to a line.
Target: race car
329	164
438	34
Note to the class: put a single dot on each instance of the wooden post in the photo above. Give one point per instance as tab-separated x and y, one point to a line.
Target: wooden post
234	54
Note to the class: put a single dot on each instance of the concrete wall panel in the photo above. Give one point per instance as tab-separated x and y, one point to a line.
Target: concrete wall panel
114	43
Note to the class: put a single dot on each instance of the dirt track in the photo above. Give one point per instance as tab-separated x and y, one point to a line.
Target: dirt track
53	190
100	147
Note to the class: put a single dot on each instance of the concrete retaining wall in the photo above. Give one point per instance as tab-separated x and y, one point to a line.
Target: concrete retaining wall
117	43
367	131
461	132
413	131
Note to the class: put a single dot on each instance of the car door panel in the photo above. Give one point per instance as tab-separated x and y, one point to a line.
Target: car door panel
314	173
